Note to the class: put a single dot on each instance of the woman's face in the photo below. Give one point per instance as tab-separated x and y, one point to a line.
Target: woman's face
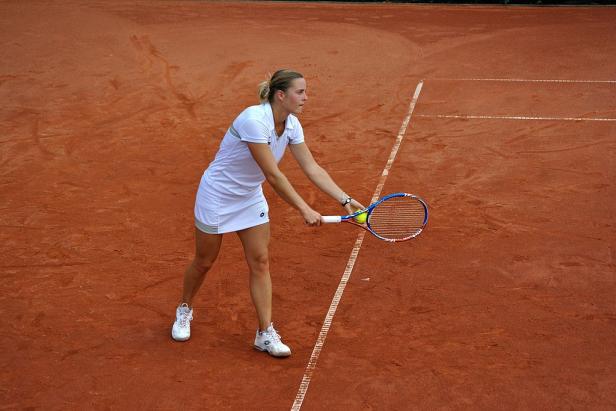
295	97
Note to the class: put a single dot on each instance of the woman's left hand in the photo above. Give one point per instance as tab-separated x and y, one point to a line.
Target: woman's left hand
353	206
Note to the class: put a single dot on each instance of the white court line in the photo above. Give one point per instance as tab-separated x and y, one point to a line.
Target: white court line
524	80
318	346
463	116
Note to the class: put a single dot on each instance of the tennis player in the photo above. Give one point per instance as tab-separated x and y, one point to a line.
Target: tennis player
230	198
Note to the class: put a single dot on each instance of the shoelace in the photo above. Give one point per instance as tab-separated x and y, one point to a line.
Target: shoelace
186	316
274	335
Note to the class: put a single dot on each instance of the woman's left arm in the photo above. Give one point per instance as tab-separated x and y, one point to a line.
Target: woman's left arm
320	177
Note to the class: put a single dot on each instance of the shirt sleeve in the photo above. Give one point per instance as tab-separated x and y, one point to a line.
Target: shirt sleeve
297	136
252	130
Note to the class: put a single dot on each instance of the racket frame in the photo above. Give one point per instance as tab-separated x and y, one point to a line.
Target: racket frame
350	218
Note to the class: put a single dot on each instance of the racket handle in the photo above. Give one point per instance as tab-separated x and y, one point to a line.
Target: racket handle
330	219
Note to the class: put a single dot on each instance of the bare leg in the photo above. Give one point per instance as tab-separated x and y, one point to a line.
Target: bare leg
255	241
207	248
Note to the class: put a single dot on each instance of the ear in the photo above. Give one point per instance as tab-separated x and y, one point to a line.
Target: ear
279	95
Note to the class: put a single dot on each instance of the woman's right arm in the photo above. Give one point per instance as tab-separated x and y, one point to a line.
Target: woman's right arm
279	182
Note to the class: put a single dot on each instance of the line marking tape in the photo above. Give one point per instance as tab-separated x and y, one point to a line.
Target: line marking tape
523	80
464	116
318	346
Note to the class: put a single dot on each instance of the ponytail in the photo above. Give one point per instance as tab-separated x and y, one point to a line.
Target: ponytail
264	91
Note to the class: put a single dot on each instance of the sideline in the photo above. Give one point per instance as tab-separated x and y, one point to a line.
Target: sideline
318	346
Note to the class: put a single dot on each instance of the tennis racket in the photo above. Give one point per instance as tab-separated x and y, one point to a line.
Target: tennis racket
395	217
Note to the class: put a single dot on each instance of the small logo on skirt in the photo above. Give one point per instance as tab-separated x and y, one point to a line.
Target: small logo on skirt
262	214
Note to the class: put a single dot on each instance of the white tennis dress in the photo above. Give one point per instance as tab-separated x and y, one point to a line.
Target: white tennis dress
230	196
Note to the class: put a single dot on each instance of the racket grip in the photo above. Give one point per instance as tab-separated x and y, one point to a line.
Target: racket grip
330	219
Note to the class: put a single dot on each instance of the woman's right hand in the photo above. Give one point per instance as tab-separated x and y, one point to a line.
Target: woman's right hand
311	217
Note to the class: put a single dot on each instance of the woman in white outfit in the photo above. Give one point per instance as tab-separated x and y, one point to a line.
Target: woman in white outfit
230	198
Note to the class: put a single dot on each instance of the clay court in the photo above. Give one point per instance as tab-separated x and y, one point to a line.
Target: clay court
507	120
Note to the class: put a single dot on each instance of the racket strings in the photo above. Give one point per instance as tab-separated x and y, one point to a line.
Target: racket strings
398	218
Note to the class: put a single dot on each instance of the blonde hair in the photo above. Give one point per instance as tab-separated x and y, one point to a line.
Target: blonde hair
280	80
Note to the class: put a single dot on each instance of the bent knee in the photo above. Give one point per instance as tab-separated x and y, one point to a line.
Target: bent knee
259	263
203	264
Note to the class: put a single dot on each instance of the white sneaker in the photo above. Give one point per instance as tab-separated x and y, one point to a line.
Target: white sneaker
270	341
181	326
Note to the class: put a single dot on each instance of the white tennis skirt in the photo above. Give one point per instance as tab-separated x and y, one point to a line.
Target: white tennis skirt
218	213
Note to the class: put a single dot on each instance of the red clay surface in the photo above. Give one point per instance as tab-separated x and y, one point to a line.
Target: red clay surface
111	111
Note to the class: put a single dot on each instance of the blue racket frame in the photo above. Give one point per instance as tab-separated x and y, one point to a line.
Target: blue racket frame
350	218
